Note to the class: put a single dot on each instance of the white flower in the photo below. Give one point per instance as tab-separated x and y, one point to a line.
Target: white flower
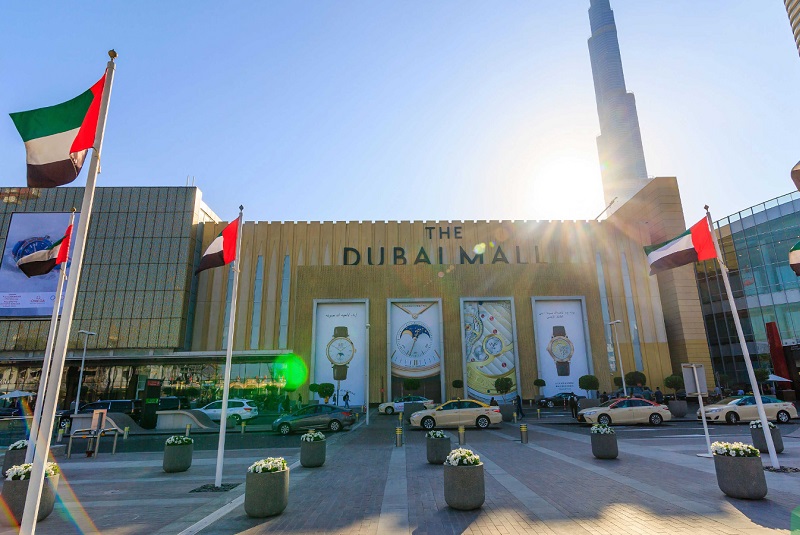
602	429
312	436
462	457
19	445
436	434
756	424
270	464
734	449
179	440
23	471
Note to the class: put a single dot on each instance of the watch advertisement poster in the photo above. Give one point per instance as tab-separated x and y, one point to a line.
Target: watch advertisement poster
28	233
561	347
415	347
490	348
340	334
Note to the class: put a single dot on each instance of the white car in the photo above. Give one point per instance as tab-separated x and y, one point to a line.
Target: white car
399	404
238	410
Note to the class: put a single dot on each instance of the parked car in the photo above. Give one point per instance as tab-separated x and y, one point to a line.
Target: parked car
173	403
131	407
399	404
626	411
238	410
457	412
314	417
558	400
733	409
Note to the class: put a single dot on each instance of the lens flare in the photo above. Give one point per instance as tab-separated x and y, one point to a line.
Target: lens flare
479	249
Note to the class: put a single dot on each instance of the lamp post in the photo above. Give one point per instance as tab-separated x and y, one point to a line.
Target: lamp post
613	325
86	334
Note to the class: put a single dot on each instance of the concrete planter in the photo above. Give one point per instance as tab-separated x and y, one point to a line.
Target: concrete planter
507	411
13	458
604	446
760	441
178	458
15	492
266	494
741	477
464	486
312	454
679	409
438	449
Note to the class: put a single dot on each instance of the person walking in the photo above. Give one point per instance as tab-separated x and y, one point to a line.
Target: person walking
346	399
573	405
493	402
659	395
519	407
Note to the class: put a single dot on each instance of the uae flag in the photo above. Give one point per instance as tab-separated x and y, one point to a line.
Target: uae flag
42	262
794	258
222	250
58	137
692	246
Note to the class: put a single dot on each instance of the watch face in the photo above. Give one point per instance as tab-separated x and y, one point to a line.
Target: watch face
414	339
415	355
340	351
493	345
30	246
561	348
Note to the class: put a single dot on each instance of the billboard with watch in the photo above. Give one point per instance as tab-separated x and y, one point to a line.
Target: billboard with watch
414	340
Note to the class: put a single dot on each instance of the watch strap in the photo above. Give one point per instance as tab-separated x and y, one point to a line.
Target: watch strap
559	330
340	332
562	368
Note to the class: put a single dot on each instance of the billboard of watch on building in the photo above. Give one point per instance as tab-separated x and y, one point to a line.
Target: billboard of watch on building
340	334
561	347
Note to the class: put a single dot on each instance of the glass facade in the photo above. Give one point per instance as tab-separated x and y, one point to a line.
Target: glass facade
755	245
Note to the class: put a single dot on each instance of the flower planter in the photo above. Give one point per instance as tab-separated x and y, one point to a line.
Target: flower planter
438	449
178	458
604	446
679	409
15	492
266	493
507	411
13	458
464	486
312	454
741	477
760	441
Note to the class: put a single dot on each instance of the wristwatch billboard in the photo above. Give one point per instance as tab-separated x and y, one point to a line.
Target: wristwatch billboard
340	352
561	349
29	246
416	352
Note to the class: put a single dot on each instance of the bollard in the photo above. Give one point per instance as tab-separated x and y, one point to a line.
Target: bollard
523	433
462	436
515	416
188	429
357	415
398	436
60	435
531	403
244	424
400	416
539	413
125	433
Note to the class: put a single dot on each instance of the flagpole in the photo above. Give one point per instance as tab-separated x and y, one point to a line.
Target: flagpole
48	351
762	416
42	451
223	420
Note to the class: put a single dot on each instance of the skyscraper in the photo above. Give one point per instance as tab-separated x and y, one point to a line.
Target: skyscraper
793	9
619	145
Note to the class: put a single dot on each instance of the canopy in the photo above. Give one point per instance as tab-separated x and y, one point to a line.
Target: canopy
775	378
16	394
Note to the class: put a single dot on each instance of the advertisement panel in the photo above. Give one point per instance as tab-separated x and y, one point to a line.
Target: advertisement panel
28	233
340	348
561	343
490	349
415	347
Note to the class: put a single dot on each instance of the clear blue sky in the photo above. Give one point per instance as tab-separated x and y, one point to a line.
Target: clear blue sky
362	110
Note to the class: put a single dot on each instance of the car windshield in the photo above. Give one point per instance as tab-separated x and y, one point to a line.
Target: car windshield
729	401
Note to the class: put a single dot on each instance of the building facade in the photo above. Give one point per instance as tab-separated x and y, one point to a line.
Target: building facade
793	10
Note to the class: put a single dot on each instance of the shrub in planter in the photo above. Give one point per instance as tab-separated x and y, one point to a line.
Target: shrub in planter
15	490
438	446
178	452
464	484
740	473
312	449
604	442
266	491
678	408
760	441
15	455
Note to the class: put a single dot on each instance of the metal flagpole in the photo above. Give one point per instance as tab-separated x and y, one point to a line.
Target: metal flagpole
762	416
48	352
28	526
702	413
229	355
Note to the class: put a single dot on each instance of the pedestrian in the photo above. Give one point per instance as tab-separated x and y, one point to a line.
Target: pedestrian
573	404
659	395
346	399
740	392
604	397
519	407
334	399
299	399
493	402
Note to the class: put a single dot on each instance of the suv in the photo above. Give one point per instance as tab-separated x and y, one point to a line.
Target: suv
238	410
131	407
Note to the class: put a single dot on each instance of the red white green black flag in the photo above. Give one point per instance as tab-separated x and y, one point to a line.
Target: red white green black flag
44	261
222	250
694	245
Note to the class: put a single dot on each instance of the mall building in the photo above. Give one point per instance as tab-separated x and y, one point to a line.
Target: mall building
377	307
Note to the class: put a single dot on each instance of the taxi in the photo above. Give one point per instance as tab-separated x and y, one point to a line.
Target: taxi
456	412
733	409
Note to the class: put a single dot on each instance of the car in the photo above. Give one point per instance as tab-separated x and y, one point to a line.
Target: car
558	400
733	409
314	417
238	410
173	403
457	412
131	407
626	411
398	404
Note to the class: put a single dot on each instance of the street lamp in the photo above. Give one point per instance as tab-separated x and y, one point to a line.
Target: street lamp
613	325
87	334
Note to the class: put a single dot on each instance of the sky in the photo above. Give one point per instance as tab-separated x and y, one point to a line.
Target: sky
446	110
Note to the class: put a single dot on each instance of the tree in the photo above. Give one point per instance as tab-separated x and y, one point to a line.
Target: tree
458	383
675	382
635	378
313	388
411	384
325	390
539	383
618	382
762	374
503	385
588	382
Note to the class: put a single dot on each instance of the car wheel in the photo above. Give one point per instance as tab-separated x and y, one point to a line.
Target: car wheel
551	404
604	419
428	423
389	410
656	419
236	419
784	417
284	429
732	418
335	426
482	422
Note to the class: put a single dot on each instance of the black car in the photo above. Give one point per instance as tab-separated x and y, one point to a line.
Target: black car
558	400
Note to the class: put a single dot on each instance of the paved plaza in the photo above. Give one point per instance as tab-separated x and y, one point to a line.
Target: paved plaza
552	485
